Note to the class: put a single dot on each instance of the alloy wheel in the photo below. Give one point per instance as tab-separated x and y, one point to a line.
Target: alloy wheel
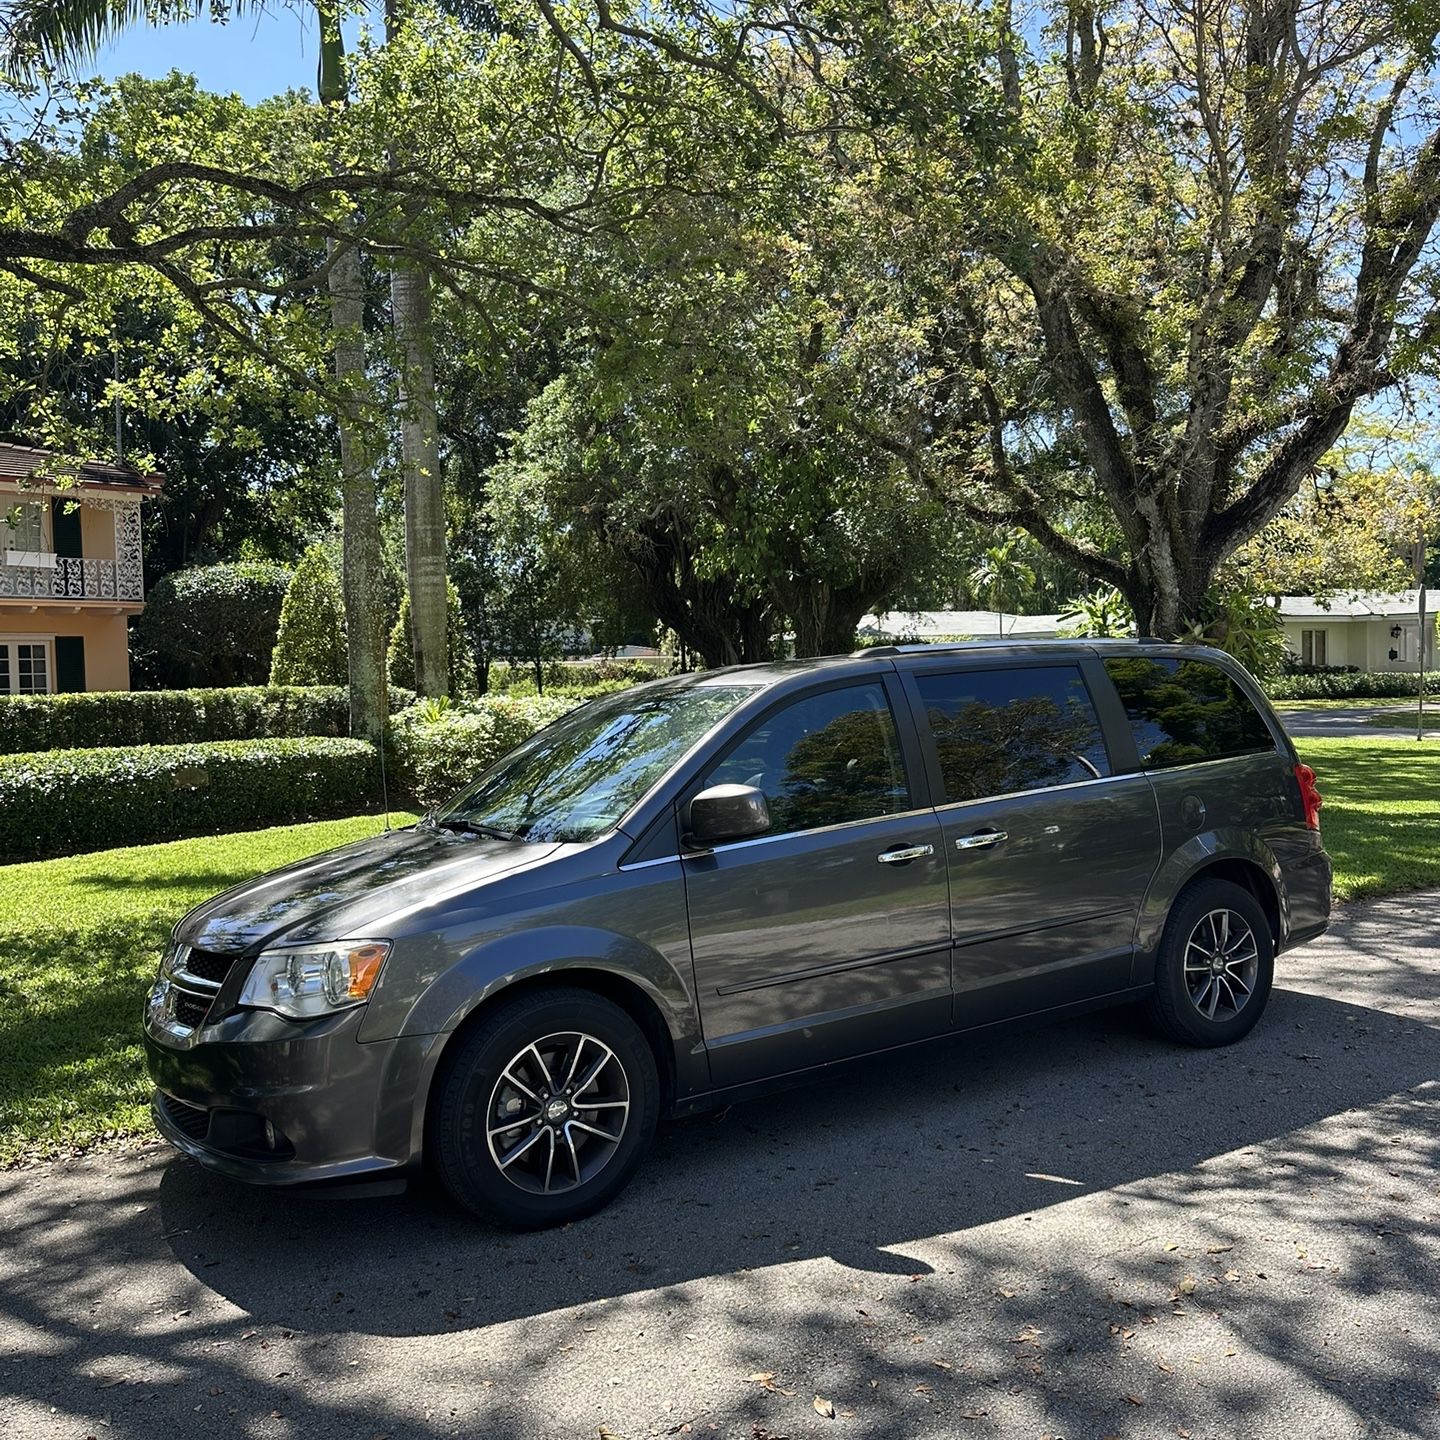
558	1113
1222	961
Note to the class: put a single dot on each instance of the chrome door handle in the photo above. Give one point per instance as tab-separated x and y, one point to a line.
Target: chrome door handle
981	839
900	857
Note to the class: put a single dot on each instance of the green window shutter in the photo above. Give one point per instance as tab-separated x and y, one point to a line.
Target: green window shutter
69	663
65	527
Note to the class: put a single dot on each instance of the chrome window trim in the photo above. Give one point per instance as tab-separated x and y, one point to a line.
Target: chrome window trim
925	811
950	805
726	847
1213	760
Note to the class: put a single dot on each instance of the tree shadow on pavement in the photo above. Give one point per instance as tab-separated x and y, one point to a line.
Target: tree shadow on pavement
905	1171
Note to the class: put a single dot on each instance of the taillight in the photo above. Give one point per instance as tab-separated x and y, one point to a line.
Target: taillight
1309	796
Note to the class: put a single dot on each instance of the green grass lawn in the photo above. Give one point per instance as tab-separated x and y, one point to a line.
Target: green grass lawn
80	937
1381	817
1394	702
80	940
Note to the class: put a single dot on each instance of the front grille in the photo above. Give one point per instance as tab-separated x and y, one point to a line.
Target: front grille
192	1119
208	965
191	1009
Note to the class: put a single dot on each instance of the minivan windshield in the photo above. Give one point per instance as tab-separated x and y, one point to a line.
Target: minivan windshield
579	777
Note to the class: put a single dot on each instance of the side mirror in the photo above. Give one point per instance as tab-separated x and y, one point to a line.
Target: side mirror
728	812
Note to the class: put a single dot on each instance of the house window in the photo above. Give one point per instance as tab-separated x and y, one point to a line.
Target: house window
1312	648
22	527
25	667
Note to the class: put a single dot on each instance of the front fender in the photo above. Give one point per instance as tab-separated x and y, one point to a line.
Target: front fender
1180	867
552	950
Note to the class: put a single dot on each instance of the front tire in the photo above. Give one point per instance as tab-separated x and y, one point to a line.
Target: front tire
1215	967
546	1109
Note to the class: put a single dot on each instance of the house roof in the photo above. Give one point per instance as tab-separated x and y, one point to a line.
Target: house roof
963	624
1371	606
20	463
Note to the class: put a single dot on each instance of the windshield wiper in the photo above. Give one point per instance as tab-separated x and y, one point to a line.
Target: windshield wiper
474	827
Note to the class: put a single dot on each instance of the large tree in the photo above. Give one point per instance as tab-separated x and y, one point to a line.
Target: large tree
1206	236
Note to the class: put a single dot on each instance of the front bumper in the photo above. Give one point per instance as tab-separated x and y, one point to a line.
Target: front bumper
277	1102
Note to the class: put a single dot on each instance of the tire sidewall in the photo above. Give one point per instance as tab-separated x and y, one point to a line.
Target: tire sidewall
1174	996
459	1135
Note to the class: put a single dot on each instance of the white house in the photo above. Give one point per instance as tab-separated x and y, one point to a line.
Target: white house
1370	632
899	626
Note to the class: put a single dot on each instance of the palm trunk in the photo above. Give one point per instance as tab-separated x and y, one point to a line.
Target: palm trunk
364	602
424	492
361	563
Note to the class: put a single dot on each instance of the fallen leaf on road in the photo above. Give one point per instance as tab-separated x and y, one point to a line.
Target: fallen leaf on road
1218	1249
824	1407
765	1379
1187	1285
606	1433
942	1364
1133	1400
1026	1337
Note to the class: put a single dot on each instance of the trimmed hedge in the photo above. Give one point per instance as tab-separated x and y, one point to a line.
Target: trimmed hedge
210	625
61	801
436	752
1346	684
519	677
90	719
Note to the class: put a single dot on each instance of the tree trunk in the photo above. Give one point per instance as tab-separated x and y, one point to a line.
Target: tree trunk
824	619
711	616
364	600
424	492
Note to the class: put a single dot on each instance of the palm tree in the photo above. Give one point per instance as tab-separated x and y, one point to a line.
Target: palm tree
1001	577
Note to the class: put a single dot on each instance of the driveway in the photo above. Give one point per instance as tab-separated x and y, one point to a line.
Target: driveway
1349	721
1079	1232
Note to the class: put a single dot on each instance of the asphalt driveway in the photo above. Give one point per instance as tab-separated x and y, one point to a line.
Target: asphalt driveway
1077	1232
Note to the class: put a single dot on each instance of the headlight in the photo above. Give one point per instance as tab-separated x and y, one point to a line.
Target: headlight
308	980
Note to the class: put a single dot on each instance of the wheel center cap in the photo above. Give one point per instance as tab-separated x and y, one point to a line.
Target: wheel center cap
1217	965
556	1109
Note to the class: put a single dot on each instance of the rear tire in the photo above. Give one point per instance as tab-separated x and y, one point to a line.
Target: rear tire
546	1109
1216	966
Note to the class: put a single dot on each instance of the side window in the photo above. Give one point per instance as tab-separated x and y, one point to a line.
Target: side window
823	760
999	731
1182	711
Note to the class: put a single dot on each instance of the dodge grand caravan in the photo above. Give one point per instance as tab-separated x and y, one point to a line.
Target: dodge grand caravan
677	895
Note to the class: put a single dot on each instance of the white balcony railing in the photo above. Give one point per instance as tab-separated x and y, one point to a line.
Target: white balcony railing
67	579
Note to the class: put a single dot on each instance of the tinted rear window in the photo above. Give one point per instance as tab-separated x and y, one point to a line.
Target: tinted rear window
1001	731
1183	711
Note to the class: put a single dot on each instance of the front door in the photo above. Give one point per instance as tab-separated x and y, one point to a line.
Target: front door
1050	852
828	936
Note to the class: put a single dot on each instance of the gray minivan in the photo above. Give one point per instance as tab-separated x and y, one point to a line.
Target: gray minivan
680	894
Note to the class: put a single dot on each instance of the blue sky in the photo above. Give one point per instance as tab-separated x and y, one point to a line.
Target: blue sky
256	55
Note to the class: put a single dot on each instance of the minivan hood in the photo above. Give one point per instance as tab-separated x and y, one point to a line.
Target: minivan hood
349	893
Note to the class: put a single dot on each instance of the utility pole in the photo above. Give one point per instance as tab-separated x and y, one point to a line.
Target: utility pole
1420	587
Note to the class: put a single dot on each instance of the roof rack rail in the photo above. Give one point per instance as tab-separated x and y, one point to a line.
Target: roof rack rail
924	647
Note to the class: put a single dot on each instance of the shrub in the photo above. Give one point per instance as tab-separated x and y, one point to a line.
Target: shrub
596	677
437	750
60	801
400	658
172	717
1346	685
310	645
211	625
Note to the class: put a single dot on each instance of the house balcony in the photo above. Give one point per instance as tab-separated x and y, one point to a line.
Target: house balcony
38	576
